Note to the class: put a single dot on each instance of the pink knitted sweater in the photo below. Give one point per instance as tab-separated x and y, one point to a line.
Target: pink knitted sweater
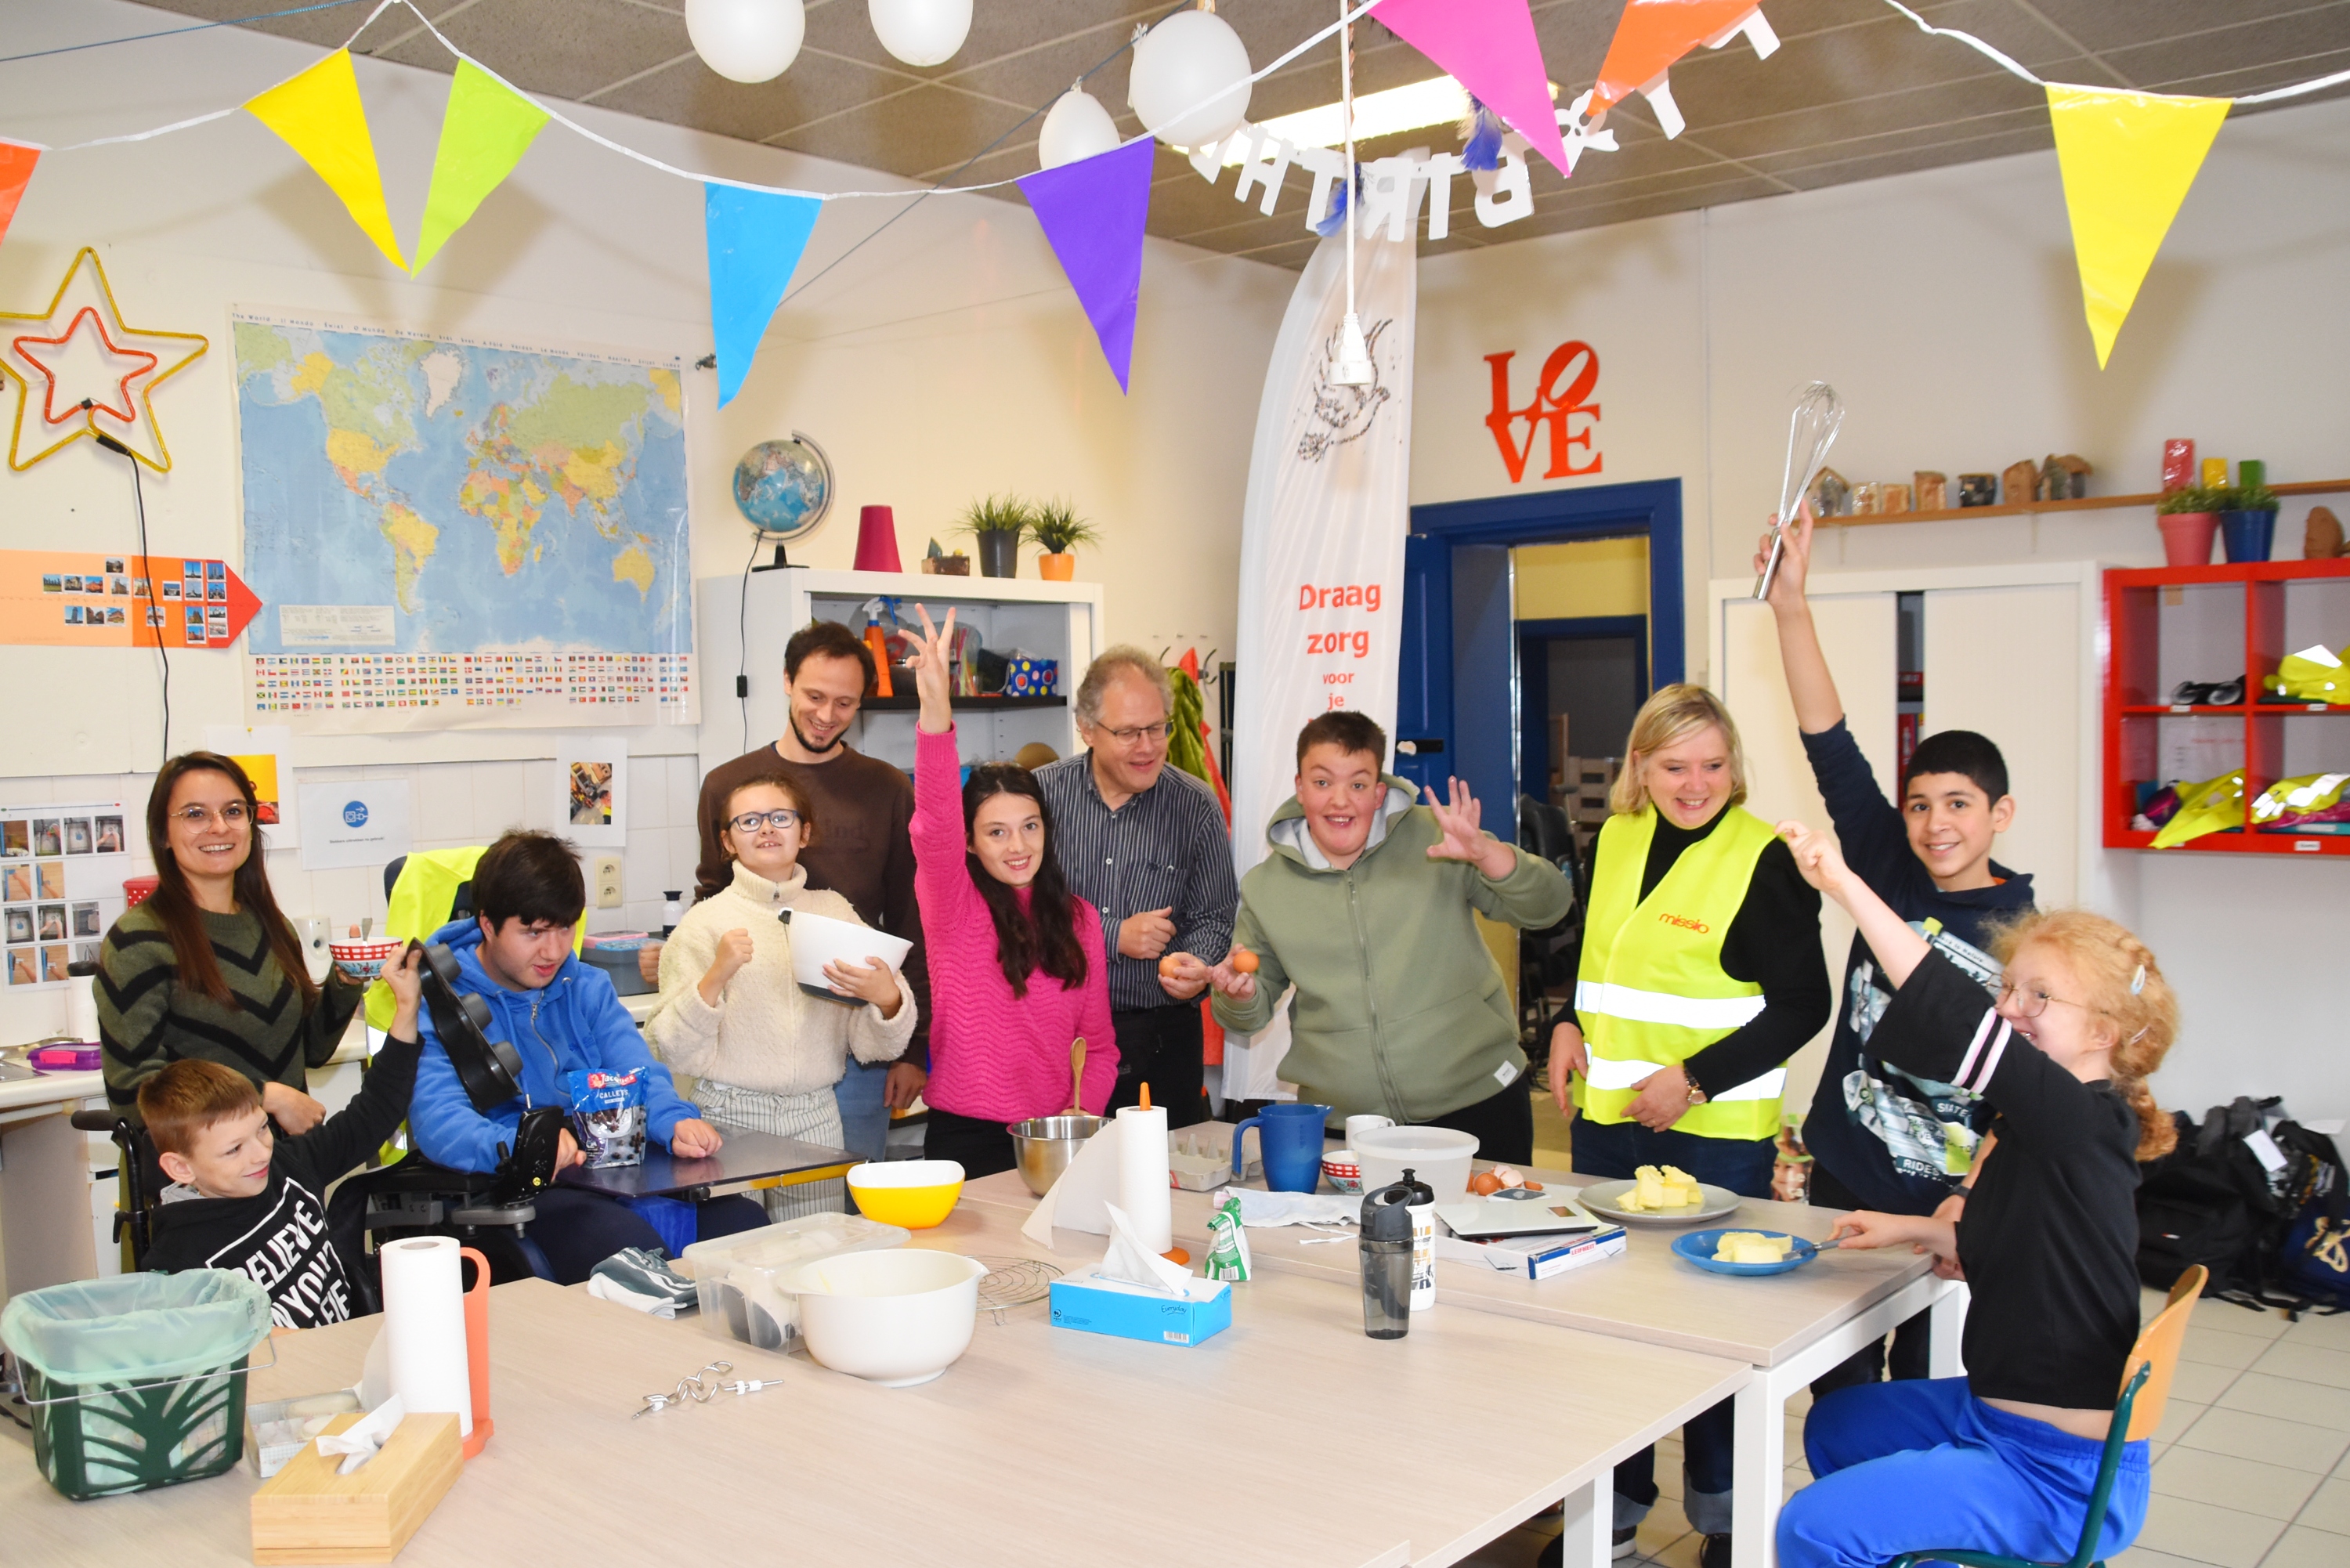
995	1055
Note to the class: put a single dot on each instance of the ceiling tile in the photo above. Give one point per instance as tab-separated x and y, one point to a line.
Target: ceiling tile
2104	24
1835	122
901	134
594	42
689	93
1831	152
2272	53
1968	150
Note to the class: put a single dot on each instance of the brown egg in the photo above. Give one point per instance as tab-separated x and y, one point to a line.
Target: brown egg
1167	967
1243	961
1485	1184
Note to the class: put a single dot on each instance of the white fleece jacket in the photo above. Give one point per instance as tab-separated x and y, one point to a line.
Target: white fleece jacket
765	1031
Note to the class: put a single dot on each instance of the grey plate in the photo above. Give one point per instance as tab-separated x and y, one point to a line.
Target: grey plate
1600	1198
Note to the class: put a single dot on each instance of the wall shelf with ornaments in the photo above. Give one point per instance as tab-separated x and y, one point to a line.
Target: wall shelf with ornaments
2087	504
2168	625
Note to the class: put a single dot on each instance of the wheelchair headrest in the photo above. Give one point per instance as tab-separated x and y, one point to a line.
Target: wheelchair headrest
490	1069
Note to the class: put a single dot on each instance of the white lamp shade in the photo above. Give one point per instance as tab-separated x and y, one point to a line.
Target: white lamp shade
1077	128
746	40
921	31
1189	80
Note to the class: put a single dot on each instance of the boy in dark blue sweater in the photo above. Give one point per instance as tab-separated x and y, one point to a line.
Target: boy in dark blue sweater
1882	1138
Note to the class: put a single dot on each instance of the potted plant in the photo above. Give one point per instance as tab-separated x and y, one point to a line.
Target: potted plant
1058	530
2247	521
2189	518
997	523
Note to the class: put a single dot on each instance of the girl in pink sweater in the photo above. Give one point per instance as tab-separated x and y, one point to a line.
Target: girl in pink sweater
1017	970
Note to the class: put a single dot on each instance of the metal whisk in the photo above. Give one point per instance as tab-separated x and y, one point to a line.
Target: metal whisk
1810	430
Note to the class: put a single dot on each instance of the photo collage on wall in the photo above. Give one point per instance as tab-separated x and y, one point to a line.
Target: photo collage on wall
61	869
112	592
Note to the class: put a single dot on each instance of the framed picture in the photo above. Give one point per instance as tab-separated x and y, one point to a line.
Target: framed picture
17	887
594	774
114	563
48	835
171	589
52	583
73	614
53	965
86	920
16	839
78	835
113	616
120	586
109	836
52	877
20	925
24	966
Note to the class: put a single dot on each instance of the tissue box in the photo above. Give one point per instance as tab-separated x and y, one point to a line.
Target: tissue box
307	1512
1031	677
1124	1311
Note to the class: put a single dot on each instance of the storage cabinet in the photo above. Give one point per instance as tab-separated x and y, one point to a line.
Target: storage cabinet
2168	625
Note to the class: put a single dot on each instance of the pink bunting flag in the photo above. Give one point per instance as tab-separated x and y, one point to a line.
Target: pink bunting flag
1488	48
1092	213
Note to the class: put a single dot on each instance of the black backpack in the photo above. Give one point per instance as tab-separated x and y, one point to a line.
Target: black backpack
2211	1201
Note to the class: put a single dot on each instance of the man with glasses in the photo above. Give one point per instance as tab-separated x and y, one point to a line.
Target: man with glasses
861	851
1147	845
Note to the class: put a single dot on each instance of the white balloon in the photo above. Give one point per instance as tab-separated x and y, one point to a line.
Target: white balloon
1077	128
1189	80
746	40
921	31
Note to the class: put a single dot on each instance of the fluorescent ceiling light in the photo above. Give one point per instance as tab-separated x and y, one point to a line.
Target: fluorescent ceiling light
1440	101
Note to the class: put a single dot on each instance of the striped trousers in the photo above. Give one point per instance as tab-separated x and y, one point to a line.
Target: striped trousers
812	1117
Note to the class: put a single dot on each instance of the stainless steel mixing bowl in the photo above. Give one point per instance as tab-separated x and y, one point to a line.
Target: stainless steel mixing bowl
1045	1144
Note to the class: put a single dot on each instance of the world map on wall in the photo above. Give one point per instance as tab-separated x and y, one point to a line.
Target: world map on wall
451	532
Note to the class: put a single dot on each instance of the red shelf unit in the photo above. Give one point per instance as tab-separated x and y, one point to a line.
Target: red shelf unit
2135	708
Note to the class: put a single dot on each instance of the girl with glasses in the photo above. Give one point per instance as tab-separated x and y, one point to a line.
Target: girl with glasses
731	1014
208	969
2005	1459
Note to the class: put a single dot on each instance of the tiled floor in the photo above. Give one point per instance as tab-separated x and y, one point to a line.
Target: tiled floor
2251	1464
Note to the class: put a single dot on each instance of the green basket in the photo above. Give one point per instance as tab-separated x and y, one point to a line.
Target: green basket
137	1382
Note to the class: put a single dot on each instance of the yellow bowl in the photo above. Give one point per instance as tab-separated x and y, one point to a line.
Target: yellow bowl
915	1193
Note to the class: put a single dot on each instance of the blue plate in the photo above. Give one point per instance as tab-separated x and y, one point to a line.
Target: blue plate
1697	1247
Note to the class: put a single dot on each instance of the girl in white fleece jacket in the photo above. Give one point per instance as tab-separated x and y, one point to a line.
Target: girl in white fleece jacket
731	1013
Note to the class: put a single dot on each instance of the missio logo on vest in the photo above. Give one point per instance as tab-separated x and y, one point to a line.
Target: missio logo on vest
1553	408
1685	923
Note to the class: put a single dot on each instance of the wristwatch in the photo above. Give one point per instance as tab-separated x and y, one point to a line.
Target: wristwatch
1696	1089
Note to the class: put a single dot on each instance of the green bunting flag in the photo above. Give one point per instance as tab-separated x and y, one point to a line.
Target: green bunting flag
485	131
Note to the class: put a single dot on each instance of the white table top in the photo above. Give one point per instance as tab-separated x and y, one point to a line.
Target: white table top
1647	1294
1291	1438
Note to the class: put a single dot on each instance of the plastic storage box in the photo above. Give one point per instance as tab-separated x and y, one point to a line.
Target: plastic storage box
734	1276
616	954
137	1381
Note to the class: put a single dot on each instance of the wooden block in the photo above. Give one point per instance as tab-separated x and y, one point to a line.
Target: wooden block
308	1513
1933	492
2021	483
1892	498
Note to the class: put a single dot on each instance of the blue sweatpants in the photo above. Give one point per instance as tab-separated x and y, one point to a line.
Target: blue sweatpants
1909	1466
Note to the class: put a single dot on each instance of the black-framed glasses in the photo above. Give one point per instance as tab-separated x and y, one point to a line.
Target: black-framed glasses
1140	733
232	814
2031	1002
783	819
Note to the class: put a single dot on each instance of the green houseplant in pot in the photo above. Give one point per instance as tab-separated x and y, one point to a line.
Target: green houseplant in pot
2188	519
1058	531
2247	521
998	523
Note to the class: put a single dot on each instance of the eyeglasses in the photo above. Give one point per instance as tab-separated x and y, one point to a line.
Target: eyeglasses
1140	733
2031	1002
783	819
232	814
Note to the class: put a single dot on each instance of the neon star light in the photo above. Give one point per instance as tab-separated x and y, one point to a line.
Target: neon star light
132	422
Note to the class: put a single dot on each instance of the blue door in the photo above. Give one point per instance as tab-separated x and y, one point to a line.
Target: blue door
1423	737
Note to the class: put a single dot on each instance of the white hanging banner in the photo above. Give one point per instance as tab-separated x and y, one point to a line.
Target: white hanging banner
1322	537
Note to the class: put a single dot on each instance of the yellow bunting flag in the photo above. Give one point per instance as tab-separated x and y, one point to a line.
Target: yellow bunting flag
485	131
2128	158
318	115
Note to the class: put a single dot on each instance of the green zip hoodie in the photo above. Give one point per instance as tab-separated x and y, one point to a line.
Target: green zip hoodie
1400	1009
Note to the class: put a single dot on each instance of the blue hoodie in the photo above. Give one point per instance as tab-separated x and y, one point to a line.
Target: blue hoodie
575	1023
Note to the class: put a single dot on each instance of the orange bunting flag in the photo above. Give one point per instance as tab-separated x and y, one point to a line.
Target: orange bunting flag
1653	33
319	116
15	173
2128	159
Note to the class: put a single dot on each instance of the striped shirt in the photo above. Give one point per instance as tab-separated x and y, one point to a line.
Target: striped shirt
1166	848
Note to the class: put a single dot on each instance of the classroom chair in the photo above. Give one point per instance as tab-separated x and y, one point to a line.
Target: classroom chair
2145	1384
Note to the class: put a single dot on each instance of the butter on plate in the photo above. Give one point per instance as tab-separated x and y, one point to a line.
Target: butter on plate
1752	1247
1656	1189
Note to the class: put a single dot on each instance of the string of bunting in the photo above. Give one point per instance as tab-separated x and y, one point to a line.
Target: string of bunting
2127	160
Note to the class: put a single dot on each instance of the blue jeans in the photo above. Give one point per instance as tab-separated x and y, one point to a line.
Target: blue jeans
864	1115
1744	1165
1910	1466
576	1229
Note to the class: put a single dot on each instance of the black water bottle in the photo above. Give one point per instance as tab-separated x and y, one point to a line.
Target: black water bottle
1386	1261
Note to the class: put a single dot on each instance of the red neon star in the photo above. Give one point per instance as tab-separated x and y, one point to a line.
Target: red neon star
48	399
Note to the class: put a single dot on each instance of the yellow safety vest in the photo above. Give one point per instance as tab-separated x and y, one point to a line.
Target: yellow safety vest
1651	991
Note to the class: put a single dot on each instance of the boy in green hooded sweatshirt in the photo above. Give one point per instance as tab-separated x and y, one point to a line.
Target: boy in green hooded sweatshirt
1367	905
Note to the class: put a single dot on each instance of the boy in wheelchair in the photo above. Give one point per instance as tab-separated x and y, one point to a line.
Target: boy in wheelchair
243	1200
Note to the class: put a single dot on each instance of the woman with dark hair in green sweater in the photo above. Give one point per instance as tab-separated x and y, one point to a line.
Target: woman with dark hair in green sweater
208	968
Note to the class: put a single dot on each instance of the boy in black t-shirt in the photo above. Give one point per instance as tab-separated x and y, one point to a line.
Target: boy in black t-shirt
253	1203
1881	1138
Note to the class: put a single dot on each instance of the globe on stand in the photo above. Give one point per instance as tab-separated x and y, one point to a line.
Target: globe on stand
784	488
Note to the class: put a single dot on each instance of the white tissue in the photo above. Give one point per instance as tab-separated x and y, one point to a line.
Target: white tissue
1076	1202
1297	1208
1131	1262
363	1438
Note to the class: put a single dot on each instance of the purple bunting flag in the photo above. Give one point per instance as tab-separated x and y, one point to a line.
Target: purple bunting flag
1092	212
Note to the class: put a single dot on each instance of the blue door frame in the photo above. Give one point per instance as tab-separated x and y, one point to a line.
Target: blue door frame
1458	706
1534	760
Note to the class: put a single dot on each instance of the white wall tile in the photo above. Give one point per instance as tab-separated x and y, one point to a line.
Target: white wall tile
444	802
684	853
646	806
510	795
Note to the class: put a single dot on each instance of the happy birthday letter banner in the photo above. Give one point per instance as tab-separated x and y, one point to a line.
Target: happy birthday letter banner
1653	33
755	239
1092	213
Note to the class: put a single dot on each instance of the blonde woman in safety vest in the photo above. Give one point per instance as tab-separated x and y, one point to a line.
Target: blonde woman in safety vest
1701	973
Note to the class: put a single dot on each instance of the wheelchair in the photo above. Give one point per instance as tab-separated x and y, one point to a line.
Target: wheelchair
1547	958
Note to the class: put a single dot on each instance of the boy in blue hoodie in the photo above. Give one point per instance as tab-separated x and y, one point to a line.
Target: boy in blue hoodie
1879	1137
562	1016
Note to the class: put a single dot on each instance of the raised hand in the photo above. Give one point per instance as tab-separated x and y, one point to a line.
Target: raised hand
1816	857
1795	557
733	952
930	655
1463	838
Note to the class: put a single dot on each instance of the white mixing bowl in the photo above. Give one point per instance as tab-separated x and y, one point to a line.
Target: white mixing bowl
1437	1156
896	1318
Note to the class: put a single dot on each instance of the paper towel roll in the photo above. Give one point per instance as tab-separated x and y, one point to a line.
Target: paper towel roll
425	1326
1143	1184
81	1008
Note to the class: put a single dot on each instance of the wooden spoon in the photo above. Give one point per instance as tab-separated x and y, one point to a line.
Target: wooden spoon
1077	1076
